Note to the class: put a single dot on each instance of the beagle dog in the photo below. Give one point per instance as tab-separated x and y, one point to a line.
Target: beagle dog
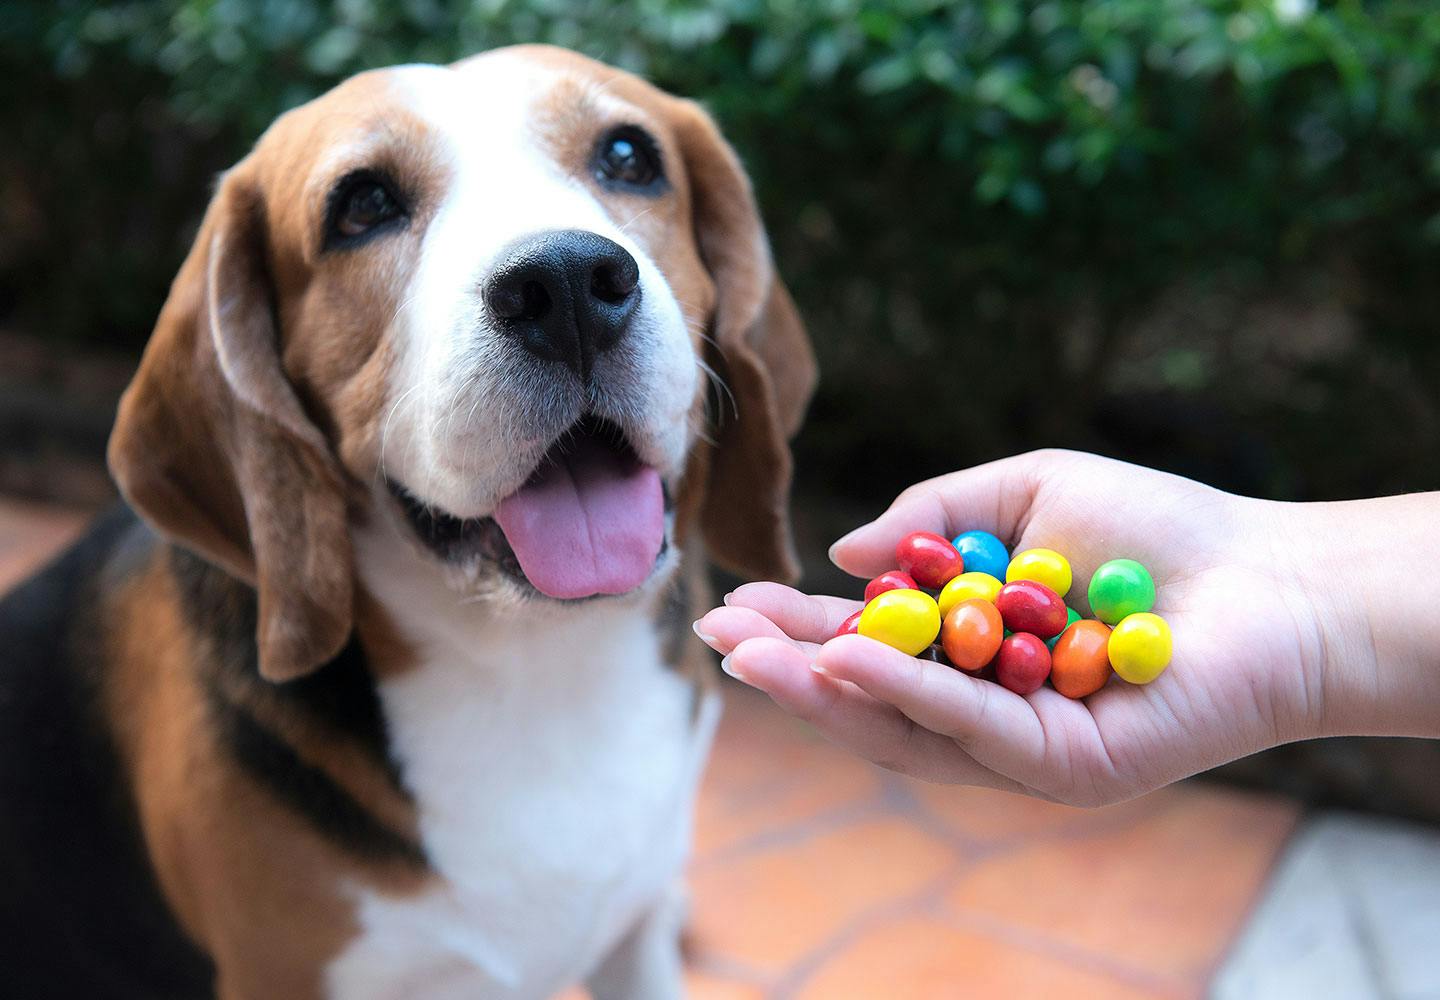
388	691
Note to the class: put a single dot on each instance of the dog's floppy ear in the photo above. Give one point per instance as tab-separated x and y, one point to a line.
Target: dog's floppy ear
761	351
213	447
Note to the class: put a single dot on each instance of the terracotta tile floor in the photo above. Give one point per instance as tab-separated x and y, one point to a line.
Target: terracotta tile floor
30	534
818	877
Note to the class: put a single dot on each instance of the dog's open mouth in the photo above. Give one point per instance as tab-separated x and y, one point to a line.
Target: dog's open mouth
590	519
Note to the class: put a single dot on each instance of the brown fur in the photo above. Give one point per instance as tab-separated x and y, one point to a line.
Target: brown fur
249	880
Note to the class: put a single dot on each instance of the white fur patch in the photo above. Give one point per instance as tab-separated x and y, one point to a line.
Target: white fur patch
554	760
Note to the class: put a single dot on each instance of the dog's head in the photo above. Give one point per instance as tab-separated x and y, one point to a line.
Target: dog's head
481	301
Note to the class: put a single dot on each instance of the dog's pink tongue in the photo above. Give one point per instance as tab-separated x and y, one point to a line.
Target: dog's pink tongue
591	522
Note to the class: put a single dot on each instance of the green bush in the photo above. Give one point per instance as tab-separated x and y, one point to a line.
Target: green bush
978	203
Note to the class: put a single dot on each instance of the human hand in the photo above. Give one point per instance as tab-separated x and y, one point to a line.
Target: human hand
1262	637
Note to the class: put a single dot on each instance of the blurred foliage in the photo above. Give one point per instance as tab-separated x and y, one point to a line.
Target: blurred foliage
1008	224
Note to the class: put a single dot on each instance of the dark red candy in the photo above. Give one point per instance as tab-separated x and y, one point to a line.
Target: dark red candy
891	579
936	654
1027	606
851	625
931	560
1023	663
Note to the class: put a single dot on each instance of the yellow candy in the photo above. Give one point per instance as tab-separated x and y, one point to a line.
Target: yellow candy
967	586
908	620
1140	647
1044	566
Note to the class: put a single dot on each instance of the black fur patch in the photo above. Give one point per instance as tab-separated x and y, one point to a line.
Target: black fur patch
339	697
306	790
81	914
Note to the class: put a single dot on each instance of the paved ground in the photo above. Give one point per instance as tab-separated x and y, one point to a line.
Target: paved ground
818	877
1353	911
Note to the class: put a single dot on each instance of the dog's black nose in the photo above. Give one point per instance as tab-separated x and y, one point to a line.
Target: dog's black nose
568	296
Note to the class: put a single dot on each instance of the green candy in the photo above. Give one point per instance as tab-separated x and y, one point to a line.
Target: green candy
1119	588
1071	617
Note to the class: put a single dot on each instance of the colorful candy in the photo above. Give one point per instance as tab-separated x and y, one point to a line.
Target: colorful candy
1020	632
851	625
1071	617
891	579
965	587
1080	659
970	634
1140	647
1043	566
1023	663
983	552
1028	606
908	620
929	558
1121	587
935	654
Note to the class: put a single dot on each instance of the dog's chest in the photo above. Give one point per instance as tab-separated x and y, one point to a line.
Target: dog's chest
553	763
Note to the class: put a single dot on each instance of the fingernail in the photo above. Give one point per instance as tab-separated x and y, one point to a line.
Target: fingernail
705	637
841	541
726	599
727	664
819	669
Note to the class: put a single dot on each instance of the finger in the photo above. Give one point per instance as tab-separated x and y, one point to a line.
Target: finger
995	497
802	616
995	726
849	717
722	629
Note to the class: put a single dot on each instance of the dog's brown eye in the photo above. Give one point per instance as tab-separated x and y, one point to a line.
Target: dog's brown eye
360	204
629	157
367	206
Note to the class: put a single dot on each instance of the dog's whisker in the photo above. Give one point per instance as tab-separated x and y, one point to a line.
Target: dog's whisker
720	387
698	328
699	429
451	405
385	425
625	226
404	303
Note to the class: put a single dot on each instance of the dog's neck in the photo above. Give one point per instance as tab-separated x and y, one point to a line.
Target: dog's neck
556	732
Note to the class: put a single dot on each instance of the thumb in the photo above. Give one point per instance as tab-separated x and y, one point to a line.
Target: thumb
995	497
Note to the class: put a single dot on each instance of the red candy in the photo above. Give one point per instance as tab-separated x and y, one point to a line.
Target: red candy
1027	606
891	579
851	625
971	634
1023	663
931	560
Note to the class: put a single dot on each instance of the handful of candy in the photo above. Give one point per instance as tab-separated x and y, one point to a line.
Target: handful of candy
1021	629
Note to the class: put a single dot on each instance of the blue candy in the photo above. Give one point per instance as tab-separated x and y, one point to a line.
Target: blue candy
983	552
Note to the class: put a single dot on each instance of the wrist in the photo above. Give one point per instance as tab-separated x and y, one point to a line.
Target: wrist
1300	620
1368	576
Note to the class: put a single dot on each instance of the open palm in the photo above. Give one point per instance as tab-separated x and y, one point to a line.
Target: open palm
1248	648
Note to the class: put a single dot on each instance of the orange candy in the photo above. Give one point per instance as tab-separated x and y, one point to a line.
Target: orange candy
1080	662
971	634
